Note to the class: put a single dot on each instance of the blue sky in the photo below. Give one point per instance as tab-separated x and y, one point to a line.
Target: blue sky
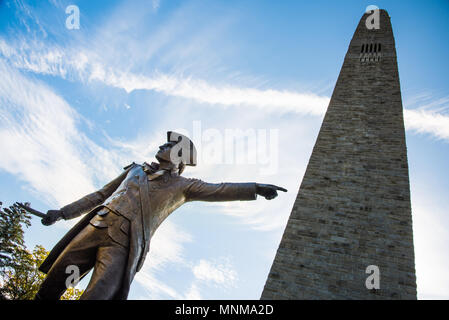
77	105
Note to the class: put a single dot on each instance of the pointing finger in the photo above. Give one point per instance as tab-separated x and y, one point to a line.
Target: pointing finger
281	189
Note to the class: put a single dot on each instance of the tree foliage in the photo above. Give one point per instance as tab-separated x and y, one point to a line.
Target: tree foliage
20	277
12	243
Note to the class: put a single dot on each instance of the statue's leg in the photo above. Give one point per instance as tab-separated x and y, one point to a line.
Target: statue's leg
79	253
109	270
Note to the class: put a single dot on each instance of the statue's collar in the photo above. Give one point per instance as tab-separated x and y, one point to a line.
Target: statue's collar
155	167
150	168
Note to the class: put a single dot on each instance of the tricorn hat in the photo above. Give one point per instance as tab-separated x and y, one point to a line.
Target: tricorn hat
183	151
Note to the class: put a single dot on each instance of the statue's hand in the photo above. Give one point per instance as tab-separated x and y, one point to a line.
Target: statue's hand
269	191
52	217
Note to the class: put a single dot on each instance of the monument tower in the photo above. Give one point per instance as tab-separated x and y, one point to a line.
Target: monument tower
352	215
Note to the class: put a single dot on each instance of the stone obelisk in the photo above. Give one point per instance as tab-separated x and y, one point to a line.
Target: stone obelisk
349	235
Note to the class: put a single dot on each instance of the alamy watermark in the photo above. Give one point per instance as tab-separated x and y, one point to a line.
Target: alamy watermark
74	276
373	280
247	146
73	20
373	20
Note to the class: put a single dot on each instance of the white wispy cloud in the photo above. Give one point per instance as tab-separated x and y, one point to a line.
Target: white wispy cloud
39	138
427	122
193	293
85	66
217	272
167	247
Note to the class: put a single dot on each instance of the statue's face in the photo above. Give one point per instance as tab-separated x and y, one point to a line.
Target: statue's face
164	151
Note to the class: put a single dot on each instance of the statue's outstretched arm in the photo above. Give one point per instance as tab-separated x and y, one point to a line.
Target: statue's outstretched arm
86	203
197	190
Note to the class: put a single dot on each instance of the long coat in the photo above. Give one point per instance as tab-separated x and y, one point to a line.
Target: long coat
145	203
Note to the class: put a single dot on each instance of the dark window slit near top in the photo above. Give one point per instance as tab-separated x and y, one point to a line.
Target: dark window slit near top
371	47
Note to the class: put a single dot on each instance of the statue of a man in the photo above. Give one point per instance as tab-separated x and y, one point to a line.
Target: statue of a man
113	237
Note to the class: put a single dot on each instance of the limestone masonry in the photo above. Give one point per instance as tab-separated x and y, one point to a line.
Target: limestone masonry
353	207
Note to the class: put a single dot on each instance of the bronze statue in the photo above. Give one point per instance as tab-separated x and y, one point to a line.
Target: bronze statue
114	236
